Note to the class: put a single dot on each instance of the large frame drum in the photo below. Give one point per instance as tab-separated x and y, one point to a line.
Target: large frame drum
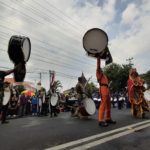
88	108
95	41
54	99
19	49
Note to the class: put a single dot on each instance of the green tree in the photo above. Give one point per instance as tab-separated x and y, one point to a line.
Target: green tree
117	75
90	89
124	75
57	84
112	71
19	88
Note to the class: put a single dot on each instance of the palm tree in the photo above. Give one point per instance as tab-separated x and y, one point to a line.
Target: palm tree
57	84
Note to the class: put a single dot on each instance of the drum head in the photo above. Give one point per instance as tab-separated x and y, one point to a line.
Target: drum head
54	99
20	72
26	48
89	106
19	49
95	40
7	95
147	95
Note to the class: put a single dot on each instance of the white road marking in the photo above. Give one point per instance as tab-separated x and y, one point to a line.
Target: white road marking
109	138
65	145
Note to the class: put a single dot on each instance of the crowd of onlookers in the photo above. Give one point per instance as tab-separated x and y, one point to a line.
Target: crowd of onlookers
38	104
22	104
118	100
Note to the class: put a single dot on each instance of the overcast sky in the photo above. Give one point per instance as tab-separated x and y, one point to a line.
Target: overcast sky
56	29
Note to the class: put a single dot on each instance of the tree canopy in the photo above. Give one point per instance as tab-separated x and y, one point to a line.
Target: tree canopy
90	89
117	75
57	84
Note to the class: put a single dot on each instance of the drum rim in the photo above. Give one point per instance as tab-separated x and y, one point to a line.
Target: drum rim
23	39
90	31
29	48
9	43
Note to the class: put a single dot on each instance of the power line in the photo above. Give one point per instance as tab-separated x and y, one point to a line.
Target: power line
61	12
61	18
32	17
22	13
43	42
14	30
52	62
71	58
41	72
35	13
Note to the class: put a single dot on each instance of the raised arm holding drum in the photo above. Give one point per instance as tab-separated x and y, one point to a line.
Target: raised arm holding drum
95	43
19	49
105	106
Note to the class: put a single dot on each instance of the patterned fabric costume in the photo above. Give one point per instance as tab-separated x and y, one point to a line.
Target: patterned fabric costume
80	90
136	94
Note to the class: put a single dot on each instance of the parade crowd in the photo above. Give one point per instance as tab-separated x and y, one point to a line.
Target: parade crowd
21	105
40	103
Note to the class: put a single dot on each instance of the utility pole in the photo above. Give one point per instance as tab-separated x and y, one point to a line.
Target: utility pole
40	76
50	72
50	75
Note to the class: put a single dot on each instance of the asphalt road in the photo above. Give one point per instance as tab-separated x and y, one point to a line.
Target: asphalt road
38	133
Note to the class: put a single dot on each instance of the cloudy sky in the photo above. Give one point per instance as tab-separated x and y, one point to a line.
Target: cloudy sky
56	29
